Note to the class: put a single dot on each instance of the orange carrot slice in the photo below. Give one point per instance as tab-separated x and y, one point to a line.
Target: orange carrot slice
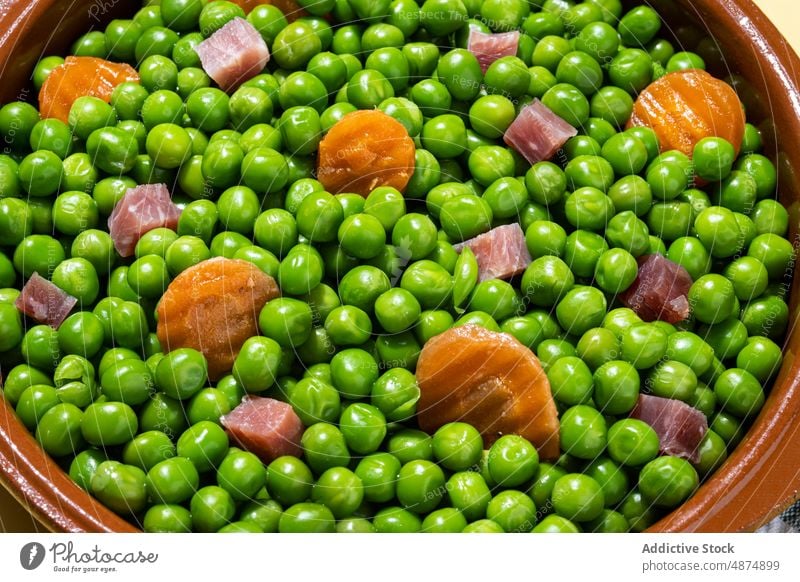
686	106
365	150
489	380
78	77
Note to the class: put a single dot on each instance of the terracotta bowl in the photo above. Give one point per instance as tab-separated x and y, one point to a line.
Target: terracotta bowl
759	479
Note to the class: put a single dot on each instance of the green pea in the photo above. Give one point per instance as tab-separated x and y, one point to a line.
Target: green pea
667	481
420	486
581	309
211	509
632	442
84	466
241	474
642	345
712	298
109	423
340	490
34	402
577	497
616	387
120	487
147	449
739	392
546	280
205	444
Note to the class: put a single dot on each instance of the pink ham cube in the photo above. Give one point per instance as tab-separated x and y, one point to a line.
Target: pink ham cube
233	54
501	253
141	210
537	133
487	48
266	427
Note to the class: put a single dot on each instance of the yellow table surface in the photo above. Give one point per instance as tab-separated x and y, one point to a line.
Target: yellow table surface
786	15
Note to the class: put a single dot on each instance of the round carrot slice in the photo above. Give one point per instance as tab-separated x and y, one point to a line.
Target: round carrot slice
686	106
489	380
213	307
364	150
77	77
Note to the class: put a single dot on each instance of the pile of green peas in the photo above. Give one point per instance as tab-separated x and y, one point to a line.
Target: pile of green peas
366	282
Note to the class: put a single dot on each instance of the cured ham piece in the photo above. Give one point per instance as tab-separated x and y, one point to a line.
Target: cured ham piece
487	48
537	133
233	54
141	210
266	427
679	427
659	290
44	301
501	253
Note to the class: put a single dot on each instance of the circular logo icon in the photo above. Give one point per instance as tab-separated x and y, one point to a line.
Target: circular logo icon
31	555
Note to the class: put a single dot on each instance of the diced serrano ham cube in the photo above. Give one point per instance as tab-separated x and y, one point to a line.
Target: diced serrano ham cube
501	253
141	210
44	302
233	54
266	427
537	133
487	48
659	290
679	427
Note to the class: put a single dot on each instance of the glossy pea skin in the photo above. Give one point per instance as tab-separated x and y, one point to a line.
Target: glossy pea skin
340	490
570	380
325	447
286	320
289	480
457	446
108	423
34	402
362	236
59	430
120	487
632	442
204	443
583	431
667	481
211	508
241	474
577	497
129	381
490	115
761	357
147	449
182	373
643	345
256	365
84	465
712	298
616	387
396	520
395	393
353	371
512	461
314	400
581	309
739	392
420	486
363	427
410	444
672	379
378	473
172	480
